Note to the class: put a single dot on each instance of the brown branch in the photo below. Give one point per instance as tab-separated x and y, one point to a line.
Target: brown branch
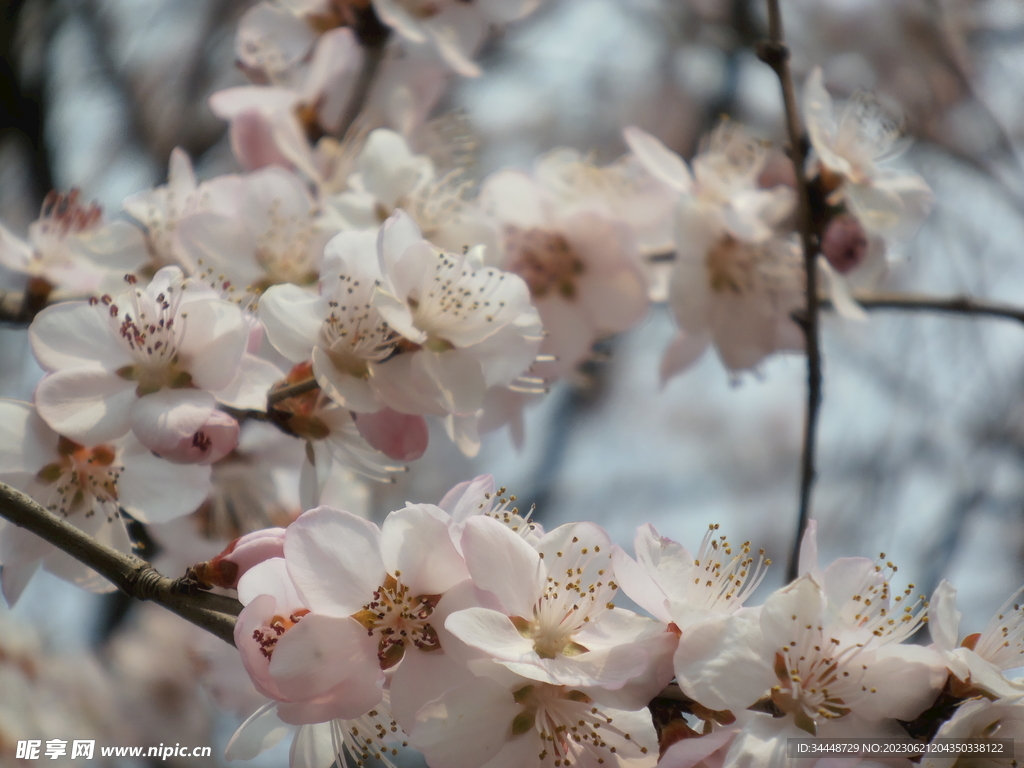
292	390
776	55
958	305
132	575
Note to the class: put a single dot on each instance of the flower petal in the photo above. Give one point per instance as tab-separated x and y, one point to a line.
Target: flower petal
89	405
334	559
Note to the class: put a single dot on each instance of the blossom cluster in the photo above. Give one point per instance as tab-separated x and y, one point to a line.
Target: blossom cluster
235	347
466	631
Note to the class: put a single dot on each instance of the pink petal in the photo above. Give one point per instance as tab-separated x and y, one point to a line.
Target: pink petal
397	435
184	426
334	559
323	654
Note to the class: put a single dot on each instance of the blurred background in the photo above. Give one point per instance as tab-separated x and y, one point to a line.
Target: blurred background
921	451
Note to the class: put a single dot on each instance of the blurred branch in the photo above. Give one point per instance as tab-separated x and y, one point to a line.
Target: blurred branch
775	54
292	390
958	305
132	575
22	107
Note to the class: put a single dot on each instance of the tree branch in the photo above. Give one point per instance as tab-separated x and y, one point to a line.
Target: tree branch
958	305
292	390
776	55
132	575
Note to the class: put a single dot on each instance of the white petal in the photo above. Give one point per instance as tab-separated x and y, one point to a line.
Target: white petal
75	333
88	405
493	633
415	542
422	677
637	584
155	491
292	317
904	681
466	726
660	161
354	393
504	564
513	198
26	443
722	663
249	388
322	653
259	733
269	578
388	167
215	338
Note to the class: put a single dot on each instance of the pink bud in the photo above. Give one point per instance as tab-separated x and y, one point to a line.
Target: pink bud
844	243
239	556
400	436
184	426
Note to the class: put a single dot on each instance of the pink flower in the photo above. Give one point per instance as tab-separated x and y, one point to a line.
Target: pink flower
310	663
240	556
391	581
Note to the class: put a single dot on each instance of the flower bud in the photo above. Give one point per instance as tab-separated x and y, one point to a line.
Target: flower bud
239	556
844	243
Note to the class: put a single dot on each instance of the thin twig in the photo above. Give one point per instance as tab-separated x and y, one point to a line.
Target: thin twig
776	55
132	575
292	390
959	305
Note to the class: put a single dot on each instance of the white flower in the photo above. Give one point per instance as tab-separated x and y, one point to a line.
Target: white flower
508	720
340	331
470	328
556	623
374	735
455	29
89	485
581	263
982	658
159	210
666	580
70	246
981	719
257	230
854	147
737	280
388	176
824	648
479	497
106	355
624	189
